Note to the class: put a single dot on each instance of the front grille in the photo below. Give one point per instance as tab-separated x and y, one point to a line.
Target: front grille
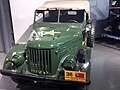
39	60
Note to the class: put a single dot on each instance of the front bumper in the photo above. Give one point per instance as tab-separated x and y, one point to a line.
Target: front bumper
40	79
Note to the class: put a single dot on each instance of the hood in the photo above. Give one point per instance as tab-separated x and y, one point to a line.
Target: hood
48	35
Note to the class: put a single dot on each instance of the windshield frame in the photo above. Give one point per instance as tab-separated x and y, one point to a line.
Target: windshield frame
58	15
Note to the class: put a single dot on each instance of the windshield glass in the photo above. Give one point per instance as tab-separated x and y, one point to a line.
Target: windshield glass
73	16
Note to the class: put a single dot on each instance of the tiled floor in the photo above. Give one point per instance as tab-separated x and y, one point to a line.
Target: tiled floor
2	56
105	74
5	82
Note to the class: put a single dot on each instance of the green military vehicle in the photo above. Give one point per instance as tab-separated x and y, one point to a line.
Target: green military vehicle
58	50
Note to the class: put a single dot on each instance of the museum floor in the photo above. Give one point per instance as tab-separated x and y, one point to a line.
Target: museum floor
105	74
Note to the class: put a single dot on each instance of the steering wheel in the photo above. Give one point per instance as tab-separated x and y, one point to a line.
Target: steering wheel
73	21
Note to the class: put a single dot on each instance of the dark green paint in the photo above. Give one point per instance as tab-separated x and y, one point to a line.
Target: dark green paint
63	44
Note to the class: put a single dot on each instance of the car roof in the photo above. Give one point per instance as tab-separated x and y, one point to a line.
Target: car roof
62	5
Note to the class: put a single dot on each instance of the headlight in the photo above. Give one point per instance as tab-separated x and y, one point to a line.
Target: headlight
9	65
69	65
14	62
18	60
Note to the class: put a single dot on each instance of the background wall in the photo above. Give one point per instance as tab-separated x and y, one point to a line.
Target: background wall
100	8
6	30
23	13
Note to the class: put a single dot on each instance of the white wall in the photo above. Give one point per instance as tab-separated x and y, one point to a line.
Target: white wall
23	13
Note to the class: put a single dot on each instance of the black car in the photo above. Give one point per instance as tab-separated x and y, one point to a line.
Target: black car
113	28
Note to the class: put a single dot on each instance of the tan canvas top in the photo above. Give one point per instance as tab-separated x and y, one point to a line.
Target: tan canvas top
74	5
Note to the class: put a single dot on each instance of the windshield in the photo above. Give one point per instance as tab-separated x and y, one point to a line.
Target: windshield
73	16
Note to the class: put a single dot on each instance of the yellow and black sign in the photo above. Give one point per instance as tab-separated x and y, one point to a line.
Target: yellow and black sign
75	76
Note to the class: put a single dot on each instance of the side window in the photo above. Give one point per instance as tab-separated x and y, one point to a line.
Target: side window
39	17
50	16
46	14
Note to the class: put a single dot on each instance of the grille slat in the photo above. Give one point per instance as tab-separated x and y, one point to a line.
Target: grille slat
48	58
42	61
33	60
39	60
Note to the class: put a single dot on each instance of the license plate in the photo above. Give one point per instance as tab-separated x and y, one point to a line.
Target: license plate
75	76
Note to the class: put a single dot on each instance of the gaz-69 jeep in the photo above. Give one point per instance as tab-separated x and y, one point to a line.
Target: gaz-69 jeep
58	49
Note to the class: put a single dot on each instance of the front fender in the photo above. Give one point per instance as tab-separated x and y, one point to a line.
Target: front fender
67	57
15	56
